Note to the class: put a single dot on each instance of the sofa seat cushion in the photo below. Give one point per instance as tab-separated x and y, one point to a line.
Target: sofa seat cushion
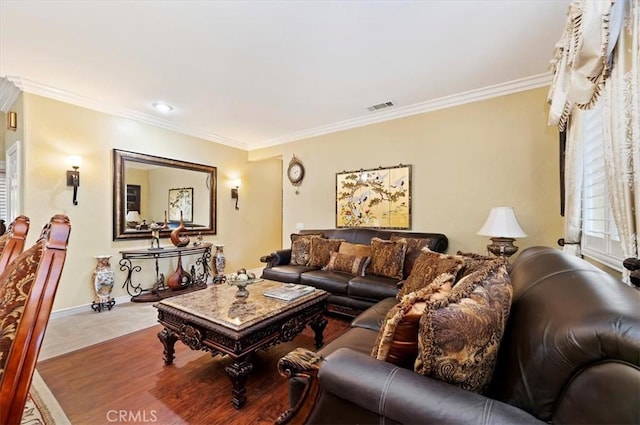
287	273
358	339
373	287
373	317
332	282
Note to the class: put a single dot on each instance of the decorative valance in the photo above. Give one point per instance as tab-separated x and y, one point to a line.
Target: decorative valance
581	59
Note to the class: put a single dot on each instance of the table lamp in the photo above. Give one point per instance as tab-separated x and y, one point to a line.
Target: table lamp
502	227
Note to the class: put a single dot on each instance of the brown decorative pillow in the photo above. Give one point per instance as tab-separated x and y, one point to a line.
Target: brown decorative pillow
387	258
15	285
397	340
459	336
301	247
427	267
321	250
347	263
474	262
359	250
414	248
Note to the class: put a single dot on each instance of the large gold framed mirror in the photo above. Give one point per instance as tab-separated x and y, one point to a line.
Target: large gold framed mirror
147	187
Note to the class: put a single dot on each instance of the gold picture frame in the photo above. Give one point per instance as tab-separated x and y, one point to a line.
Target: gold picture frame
374	198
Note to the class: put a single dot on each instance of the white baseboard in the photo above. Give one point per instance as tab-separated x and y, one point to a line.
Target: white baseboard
83	308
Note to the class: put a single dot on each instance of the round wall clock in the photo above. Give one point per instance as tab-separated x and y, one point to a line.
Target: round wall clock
295	172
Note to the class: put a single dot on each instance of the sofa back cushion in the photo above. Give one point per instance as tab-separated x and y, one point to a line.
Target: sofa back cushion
460	336
437	241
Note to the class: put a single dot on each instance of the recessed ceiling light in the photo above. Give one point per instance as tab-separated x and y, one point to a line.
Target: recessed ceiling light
162	107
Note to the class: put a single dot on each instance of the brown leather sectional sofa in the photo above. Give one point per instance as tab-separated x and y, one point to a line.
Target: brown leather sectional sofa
570	354
350	294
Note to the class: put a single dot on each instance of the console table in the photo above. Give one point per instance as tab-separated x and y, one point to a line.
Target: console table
199	273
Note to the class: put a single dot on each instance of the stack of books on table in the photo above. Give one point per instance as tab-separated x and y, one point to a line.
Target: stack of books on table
289	292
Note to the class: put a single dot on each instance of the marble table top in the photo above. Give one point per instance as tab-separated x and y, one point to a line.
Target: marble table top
218	304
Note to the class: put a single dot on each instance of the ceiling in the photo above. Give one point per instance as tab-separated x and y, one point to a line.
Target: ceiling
251	74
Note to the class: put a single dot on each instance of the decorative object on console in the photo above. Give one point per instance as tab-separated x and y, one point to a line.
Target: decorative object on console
295	172
234	191
219	262
102	279
379	198
133	219
180	278
177	238
181	204
155	235
73	176
502	226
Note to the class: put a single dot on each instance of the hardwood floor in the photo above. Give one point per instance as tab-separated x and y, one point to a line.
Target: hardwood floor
124	380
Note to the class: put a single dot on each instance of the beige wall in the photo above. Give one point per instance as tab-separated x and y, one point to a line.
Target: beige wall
466	159
54	130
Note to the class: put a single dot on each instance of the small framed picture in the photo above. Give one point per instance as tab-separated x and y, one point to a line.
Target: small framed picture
181	200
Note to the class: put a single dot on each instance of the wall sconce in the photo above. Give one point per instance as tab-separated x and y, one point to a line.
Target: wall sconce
234	191
73	176
503	227
12	121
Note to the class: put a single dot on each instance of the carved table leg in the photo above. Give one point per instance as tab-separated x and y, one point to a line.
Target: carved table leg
168	340
238	372
318	324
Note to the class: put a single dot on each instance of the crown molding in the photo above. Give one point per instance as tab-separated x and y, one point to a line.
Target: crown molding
476	95
9	92
39	89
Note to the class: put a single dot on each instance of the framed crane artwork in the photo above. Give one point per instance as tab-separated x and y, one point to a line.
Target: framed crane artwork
374	198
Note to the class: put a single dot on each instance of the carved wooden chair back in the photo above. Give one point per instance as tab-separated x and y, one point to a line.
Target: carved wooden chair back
27	288
12	241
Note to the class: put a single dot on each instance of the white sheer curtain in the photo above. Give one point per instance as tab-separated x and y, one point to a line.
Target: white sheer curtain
621	131
573	174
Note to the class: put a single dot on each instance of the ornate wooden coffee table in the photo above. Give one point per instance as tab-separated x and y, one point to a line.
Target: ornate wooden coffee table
214	320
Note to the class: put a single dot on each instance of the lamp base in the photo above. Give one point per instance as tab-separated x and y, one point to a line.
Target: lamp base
502	247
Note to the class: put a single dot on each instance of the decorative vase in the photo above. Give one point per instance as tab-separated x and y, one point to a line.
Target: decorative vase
180	278
220	262
102	278
177	238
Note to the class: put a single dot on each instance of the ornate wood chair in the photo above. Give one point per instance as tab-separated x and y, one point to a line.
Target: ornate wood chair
12	241
27	289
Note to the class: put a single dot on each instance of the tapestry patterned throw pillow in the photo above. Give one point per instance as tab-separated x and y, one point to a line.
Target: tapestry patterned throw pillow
397	340
414	248
321	250
387	258
427	267
347	263
301	248
459	336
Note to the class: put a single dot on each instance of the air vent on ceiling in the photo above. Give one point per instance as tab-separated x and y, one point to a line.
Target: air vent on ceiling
383	105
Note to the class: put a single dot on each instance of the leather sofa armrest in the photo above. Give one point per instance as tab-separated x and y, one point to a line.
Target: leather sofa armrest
406	397
277	258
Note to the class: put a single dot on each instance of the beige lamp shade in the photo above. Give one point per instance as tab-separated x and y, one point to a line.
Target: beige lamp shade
133	216
502	222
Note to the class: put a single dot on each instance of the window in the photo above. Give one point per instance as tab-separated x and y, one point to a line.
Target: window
600	240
